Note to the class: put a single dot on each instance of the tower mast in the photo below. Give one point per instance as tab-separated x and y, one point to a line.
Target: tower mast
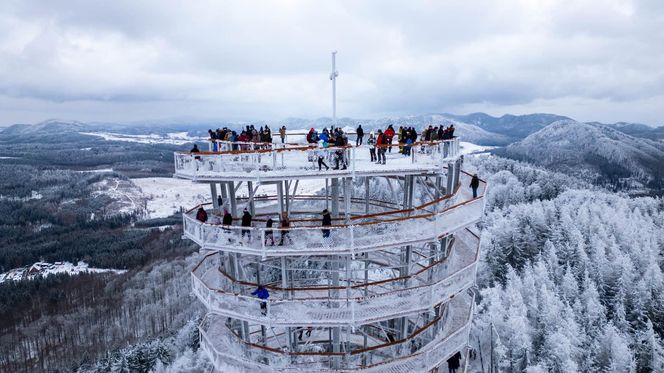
333	77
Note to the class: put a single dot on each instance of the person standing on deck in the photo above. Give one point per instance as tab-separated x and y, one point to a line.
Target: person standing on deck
246	222
201	215
380	145
371	141
268	232
360	135
389	134
454	363
262	294
285	224
282	134
320	153
327	221
475	183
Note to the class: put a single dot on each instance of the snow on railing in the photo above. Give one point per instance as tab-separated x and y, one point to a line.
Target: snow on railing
218	294
227	351
264	160
343	239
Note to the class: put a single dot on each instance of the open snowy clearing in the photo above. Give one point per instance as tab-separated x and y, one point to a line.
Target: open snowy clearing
165	196
174	138
43	269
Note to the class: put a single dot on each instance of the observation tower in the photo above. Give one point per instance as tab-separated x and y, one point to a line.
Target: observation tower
385	288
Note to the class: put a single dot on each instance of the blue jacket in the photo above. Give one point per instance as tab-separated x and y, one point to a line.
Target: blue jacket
261	293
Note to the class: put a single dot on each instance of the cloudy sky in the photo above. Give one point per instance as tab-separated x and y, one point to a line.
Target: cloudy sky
127	60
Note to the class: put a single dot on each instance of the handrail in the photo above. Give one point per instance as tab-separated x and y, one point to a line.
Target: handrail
358	286
356	299
307	147
354	217
432	346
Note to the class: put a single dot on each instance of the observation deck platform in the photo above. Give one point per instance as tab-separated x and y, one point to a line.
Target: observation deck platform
425	348
275	162
380	299
365	233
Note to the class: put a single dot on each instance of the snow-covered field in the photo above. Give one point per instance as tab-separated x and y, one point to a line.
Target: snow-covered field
43	269
175	138
165	196
470	148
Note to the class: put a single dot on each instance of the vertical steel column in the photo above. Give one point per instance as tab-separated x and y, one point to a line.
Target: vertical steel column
224	194
287	202
252	210
347	199
213	190
366	194
450	178
280	197
231	196
335	196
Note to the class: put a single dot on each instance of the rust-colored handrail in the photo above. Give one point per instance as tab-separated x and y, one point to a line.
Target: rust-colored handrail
375	283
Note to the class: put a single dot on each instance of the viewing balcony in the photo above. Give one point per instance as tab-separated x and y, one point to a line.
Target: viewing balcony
279	162
354	305
390	229
427	346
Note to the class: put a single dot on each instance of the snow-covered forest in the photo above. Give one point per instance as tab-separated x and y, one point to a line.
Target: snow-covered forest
571	275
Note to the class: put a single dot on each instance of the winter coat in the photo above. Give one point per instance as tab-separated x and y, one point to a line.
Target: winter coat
389	133
201	215
228	219
453	362
381	140
360	131
246	219
475	182
282	132
261	293
372	142
327	219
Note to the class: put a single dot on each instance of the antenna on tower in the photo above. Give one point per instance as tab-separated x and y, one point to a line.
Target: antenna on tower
333	77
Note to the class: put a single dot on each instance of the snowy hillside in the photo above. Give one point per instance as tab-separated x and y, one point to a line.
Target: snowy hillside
468	132
596	151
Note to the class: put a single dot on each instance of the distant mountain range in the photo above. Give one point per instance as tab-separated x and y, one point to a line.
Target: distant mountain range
597	152
478	128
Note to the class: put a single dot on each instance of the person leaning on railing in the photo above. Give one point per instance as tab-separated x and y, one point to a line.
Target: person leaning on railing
201	215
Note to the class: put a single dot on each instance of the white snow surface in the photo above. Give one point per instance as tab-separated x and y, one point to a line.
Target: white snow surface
165	196
43	269
175	138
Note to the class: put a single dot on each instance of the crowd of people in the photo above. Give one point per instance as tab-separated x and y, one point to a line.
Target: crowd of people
379	143
248	135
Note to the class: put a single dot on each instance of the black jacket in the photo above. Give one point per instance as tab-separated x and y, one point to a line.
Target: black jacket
228	219
475	183
360	131
327	219
453	362
246	219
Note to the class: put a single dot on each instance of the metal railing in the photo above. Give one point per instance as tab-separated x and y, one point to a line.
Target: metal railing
348	239
265	160
342	308
229	352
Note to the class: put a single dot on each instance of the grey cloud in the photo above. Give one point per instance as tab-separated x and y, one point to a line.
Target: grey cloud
266	60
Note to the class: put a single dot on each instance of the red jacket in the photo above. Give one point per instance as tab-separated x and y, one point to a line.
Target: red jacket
380	140
389	133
